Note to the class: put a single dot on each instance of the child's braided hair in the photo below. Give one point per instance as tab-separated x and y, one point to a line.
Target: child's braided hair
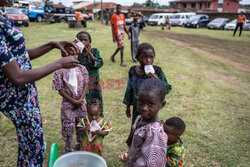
93	102
177	123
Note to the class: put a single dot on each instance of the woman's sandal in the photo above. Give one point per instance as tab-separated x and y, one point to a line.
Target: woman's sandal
124	157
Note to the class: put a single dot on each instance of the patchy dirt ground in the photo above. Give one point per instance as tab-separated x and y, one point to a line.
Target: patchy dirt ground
237	52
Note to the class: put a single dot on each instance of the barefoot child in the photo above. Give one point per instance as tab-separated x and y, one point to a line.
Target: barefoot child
92	60
73	102
145	55
147	142
134	30
175	127
93	134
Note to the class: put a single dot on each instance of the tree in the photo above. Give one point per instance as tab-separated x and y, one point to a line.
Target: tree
149	4
137	5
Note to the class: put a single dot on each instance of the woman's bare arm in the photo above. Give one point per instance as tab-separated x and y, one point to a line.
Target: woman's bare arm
41	50
21	77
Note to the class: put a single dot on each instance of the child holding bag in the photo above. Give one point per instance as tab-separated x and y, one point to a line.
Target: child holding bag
94	128
72	86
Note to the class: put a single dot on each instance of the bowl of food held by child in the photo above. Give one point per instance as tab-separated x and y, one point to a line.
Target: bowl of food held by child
80	159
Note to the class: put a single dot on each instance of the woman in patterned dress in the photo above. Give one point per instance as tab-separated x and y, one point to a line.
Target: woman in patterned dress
18	93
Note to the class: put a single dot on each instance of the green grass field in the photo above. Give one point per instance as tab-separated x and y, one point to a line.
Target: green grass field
211	97
219	34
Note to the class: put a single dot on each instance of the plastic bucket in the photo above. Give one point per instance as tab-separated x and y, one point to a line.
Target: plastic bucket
80	159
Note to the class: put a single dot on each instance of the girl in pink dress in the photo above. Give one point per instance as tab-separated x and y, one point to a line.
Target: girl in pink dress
74	103
148	141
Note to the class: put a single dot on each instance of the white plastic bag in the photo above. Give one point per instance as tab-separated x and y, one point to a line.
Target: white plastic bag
73	80
80	45
149	69
94	126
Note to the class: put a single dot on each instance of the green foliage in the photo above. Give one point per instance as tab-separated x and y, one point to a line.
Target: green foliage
149	4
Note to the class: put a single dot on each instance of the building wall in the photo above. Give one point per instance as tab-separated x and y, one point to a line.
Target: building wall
230	6
214	5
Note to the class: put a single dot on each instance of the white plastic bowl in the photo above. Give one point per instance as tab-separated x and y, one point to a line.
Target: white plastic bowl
80	159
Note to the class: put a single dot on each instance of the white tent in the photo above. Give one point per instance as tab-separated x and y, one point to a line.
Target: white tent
81	5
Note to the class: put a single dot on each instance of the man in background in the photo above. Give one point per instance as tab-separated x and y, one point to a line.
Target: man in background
240	22
118	26
80	17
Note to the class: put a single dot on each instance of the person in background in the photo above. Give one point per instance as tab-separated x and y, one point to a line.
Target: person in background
167	24
134	30
112	11
106	17
80	17
93	16
118	27
240	22
18	92
90	16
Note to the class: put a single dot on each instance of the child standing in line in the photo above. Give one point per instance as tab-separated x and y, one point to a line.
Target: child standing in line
175	127
93	127
147	142
134	30
73	102
92	60
145	55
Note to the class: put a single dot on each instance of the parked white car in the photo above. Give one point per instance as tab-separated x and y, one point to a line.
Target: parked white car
179	19
231	25
159	18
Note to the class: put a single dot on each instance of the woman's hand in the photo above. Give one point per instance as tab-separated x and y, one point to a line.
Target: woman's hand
64	46
128	112
69	62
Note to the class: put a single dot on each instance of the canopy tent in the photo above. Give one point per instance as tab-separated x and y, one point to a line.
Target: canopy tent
81	5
